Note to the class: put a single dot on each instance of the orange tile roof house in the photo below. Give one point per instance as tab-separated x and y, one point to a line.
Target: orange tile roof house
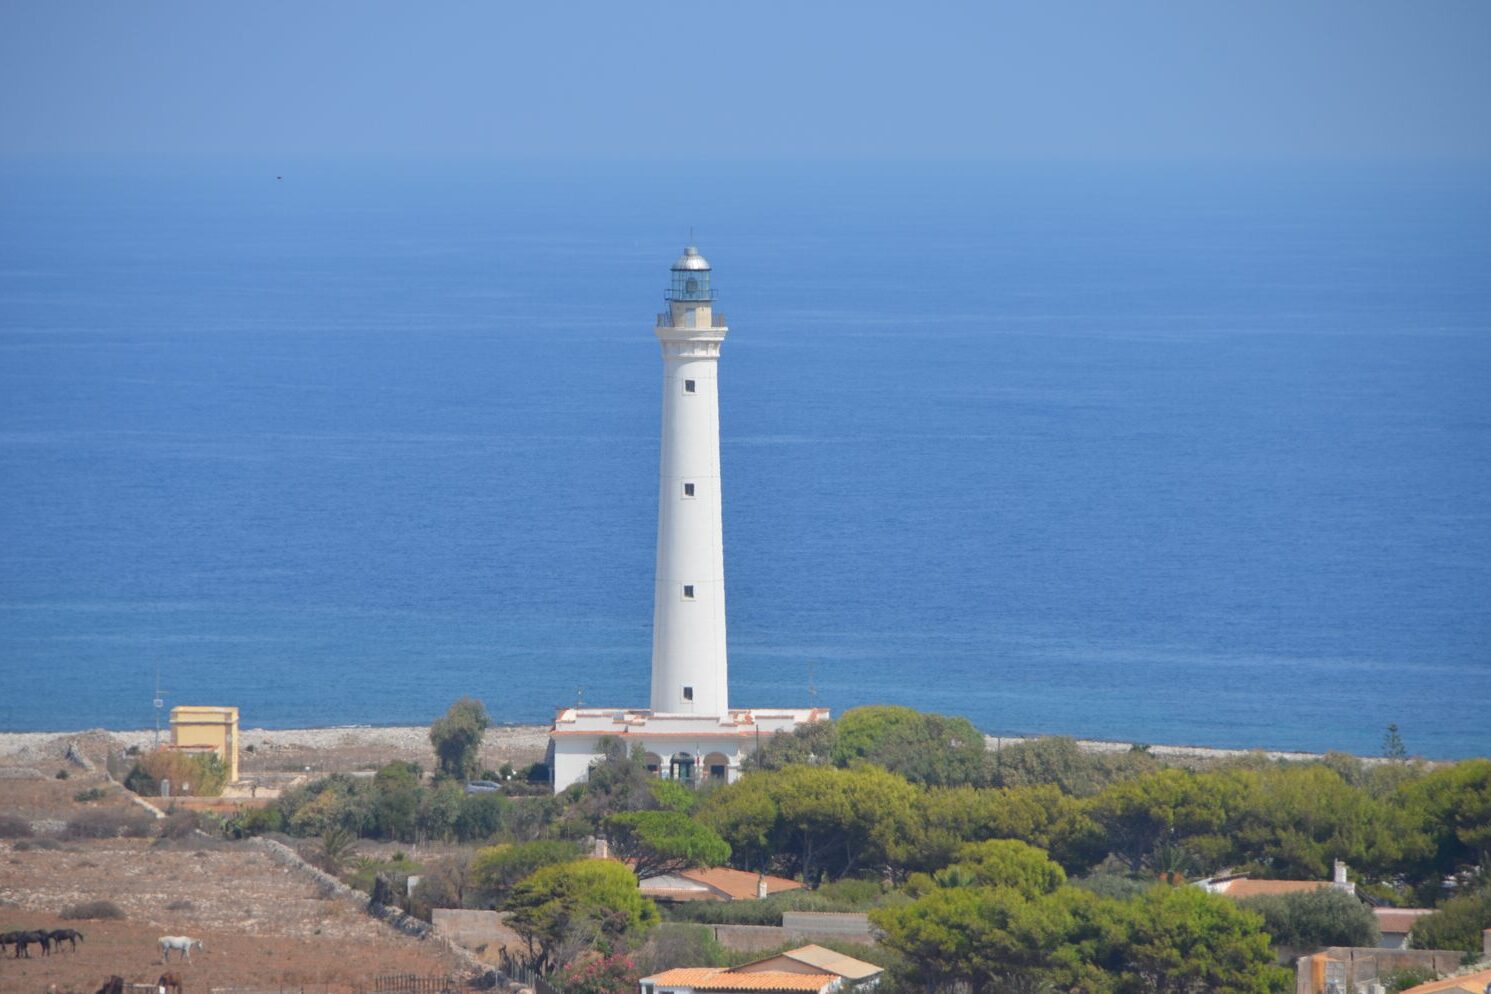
718	884
1394	924
1467	983
1242	885
717	980
817	959
805	970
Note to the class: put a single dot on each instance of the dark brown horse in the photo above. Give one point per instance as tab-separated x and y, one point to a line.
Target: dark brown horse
22	941
169	982
68	935
114	985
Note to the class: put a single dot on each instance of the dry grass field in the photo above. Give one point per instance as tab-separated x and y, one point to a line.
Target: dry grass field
264	927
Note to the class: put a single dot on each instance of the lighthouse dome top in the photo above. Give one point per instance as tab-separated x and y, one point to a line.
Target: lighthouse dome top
691	260
691	278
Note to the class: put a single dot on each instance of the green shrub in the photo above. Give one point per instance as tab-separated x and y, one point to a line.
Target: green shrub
254	821
723	912
1456	925
1315	919
1058	760
1401	980
480	816
63	774
91	794
1118	886
853	894
768	911
933	749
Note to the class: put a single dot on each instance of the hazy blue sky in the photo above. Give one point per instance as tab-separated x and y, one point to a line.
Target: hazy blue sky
1345	79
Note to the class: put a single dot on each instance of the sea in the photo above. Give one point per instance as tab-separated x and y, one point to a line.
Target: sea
1174	453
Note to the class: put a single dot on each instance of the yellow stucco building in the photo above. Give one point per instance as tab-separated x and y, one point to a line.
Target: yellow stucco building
202	727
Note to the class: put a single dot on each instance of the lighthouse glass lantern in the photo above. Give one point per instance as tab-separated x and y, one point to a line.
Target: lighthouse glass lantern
691	277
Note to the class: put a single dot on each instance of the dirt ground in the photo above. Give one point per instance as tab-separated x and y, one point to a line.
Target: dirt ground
264	927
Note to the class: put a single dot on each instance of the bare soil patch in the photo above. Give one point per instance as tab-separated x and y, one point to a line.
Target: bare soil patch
264	928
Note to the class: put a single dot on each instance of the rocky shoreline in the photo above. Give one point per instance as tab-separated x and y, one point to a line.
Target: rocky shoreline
526	741
258	745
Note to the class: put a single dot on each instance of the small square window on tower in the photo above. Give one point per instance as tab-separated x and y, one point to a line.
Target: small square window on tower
688	591
689	386
688	490
688	693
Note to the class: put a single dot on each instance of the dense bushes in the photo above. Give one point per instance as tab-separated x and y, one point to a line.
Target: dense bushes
940	750
90	910
1169	939
396	804
1277	820
496	870
1457	924
1315	919
844	895
109	823
1058	860
200	775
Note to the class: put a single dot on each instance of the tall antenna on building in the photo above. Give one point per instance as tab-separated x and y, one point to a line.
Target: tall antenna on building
159	701
812	688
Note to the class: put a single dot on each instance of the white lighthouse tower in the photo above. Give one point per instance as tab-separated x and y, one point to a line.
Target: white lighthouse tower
689	733
689	673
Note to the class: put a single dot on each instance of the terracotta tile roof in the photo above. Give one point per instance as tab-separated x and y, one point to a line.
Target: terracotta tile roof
1399	919
1243	887
711	978
738	885
823	959
1473	983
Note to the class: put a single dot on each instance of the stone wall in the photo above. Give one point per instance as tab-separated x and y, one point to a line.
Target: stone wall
797	928
332	887
851	926
1361	964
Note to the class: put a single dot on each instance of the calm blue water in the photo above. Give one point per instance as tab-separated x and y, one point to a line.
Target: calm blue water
1156	456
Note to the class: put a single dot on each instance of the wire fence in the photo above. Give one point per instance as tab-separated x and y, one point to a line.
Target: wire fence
409	983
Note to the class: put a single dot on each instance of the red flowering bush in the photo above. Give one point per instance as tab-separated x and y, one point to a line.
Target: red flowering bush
600	975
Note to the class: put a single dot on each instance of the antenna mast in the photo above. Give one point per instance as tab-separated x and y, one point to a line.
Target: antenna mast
159	702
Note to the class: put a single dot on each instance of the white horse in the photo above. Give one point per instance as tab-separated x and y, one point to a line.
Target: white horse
182	944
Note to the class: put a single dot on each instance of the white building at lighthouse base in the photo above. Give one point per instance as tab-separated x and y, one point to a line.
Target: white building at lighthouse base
691	748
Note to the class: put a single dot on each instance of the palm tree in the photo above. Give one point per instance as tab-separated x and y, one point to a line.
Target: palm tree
338	847
1171	862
